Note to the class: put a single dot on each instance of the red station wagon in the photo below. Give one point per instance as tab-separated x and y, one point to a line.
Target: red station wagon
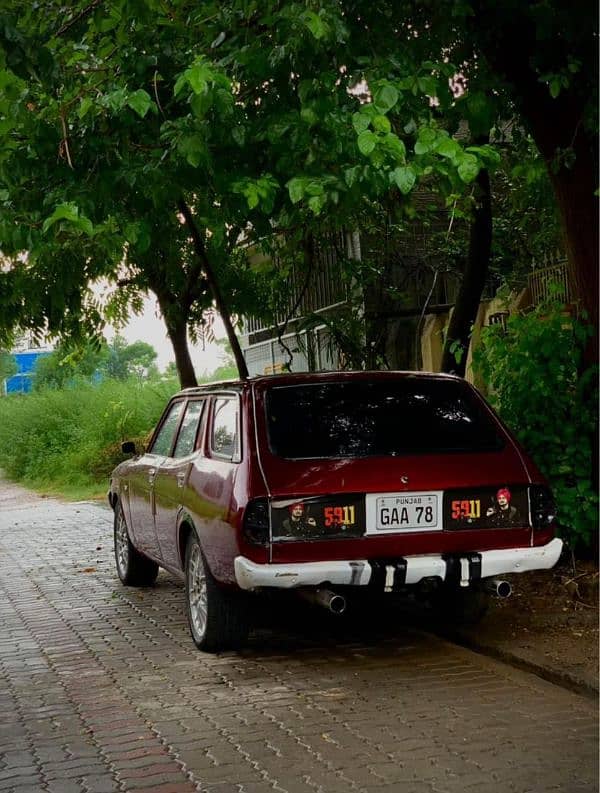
328	484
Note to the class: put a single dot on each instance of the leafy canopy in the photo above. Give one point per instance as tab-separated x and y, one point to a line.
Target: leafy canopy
252	114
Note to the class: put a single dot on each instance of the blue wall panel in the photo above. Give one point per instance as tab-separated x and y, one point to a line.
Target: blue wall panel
21	383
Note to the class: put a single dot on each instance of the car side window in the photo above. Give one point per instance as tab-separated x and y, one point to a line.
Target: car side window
164	440
225	437
186	440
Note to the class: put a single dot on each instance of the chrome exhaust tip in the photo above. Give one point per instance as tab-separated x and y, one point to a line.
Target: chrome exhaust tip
326	598
497	587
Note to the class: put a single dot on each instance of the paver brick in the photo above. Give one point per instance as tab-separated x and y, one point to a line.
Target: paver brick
153	769
169	787
99	784
22	779
155	782
103	682
63	786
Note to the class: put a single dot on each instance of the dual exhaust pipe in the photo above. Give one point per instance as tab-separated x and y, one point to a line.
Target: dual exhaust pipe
336	603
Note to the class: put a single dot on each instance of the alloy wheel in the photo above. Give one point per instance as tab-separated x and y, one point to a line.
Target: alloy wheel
121	544
197	595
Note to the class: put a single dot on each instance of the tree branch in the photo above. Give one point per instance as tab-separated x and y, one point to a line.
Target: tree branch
309	256
78	17
65	140
200	249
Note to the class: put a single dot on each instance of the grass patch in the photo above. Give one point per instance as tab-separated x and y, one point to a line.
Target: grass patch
66	442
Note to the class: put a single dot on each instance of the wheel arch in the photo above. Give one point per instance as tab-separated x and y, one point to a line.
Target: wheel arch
185	530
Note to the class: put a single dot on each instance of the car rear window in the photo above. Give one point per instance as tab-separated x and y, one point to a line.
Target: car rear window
384	418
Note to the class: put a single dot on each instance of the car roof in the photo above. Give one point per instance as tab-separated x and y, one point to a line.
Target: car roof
308	378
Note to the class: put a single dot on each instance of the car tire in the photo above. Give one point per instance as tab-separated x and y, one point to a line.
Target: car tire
133	568
458	606
218	618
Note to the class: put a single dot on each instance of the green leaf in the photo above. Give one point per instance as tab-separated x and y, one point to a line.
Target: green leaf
110	20
308	115
315	24
404	178
6	78
457	350
487	153
370	111
252	196
314	188
296	189
316	203
382	124
407	83
143	239
366	142
555	87
201	103
395	146
180	84
69	212
448	147
116	99
351	175
385	98
468	168
197	76
85	106
360	122
426	140
224	101
140	102
193	148
427	85
131	232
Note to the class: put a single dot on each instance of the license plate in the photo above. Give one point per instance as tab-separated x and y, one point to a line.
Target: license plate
404	511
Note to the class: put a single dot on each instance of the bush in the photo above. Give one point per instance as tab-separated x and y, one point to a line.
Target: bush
69	440
534	374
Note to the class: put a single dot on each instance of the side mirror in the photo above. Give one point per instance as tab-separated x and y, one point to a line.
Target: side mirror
128	447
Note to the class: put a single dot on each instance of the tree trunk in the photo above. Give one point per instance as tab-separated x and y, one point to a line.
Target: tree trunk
215	289
558	126
456	346
175	313
574	188
177	332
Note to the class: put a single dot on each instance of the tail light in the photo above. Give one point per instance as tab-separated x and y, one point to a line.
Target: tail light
543	508
255	525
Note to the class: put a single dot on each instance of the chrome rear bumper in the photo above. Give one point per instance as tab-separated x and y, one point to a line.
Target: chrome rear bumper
409	570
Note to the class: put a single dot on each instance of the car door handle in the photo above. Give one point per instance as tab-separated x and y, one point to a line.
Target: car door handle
181	479
151	475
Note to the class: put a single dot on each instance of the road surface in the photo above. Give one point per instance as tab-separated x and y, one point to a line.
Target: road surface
101	689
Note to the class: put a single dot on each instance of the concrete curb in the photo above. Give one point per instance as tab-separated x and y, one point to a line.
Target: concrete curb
559	677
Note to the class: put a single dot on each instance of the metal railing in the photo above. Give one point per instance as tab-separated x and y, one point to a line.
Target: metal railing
552	281
326	286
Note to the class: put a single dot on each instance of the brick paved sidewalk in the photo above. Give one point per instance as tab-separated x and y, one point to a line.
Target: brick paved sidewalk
102	690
